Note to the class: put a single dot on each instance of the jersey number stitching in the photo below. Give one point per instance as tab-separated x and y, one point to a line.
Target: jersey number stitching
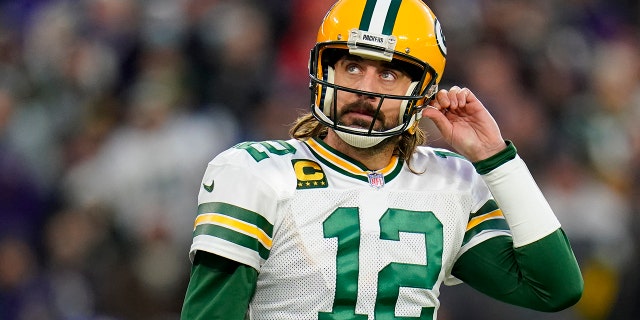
257	155
344	224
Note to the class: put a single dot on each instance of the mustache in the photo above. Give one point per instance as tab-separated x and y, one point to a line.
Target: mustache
363	107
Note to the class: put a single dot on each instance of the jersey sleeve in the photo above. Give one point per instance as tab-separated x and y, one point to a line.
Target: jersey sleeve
485	223
236	210
533	266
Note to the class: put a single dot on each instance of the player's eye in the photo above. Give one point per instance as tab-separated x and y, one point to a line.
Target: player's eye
388	75
353	68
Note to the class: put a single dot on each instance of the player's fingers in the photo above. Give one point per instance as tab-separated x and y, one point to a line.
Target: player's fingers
470	96
439	119
454	101
441	100
461	96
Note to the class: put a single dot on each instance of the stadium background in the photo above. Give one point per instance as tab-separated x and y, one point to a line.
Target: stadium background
110	110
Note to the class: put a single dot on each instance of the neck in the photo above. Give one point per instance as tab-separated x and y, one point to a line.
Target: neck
374	158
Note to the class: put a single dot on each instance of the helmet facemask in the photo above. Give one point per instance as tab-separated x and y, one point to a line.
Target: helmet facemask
324	104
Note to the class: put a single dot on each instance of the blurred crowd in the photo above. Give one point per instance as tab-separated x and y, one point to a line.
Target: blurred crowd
110	110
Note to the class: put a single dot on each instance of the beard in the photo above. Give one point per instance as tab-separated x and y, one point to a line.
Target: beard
361	106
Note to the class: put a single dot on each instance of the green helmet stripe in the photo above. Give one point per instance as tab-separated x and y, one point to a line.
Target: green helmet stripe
392	14
375	11
367	14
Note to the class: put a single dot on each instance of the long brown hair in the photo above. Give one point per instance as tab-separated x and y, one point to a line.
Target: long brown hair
307	126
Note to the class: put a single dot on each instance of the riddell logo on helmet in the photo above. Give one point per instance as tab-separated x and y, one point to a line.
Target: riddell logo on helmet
367	37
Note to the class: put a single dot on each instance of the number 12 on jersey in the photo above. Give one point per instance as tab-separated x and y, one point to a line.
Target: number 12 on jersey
344	224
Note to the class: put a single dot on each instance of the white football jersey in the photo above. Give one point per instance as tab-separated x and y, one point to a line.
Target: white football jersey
333	240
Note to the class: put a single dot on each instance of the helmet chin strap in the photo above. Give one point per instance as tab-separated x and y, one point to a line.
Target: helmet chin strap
362	141
359	141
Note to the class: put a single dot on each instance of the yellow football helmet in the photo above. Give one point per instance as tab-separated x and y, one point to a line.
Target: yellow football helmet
400	31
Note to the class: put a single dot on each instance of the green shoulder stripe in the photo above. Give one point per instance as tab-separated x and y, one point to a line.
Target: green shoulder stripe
491	224
488	217
238	238
239	213
489	206
238	225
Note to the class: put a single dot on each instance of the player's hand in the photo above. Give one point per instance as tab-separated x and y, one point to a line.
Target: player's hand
465	123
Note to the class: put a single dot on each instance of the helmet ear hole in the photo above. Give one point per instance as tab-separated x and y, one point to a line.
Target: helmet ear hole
327	101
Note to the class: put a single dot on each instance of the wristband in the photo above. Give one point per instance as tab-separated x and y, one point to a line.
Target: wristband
525	208
487	165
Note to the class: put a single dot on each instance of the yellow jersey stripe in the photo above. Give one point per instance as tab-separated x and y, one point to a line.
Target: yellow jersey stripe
479	219
335	159
344	164
392	164
228	222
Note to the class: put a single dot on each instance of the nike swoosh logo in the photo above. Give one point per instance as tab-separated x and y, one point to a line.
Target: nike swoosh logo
209	188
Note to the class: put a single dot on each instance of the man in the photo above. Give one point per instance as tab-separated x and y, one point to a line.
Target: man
353	218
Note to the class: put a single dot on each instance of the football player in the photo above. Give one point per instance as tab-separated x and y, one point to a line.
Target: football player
354	217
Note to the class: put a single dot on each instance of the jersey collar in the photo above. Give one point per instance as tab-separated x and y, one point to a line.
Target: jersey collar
348	166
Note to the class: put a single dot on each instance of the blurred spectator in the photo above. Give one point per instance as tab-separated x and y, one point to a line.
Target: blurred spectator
604	119
596	218
22	203
232	47
18	273
492	71
147	174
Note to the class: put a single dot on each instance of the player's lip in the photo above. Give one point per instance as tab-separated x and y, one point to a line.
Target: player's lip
361	110
362	113
358	119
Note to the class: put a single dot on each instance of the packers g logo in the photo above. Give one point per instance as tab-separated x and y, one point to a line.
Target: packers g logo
309	174
442	42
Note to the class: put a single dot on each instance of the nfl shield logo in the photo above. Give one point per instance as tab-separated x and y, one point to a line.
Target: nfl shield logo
376	180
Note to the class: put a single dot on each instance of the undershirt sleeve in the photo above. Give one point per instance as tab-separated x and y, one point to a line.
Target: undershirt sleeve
219	288
542	275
